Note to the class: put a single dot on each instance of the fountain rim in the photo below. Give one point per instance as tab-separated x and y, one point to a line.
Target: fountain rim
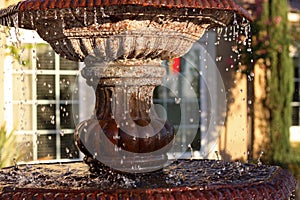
39	5
276	183
228	5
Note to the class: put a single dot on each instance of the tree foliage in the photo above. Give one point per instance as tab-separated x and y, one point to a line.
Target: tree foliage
8	151
271	43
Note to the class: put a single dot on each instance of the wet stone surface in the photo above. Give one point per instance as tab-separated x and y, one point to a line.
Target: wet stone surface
183	179
185	173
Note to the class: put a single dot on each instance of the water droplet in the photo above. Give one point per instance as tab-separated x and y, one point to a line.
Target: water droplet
62	133
217	154
259	163
218	58
116	148
95	155
177	100
116	137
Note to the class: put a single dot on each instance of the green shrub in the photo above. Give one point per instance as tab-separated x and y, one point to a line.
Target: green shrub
8	150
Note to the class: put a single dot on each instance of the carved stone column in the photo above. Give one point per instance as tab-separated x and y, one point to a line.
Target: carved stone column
125	132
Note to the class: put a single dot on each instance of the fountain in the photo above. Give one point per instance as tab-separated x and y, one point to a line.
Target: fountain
122	44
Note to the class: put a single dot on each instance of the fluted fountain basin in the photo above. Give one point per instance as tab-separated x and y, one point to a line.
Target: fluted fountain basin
184	179
119	29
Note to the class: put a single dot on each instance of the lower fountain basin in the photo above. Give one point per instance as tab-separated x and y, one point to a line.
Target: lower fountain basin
183	179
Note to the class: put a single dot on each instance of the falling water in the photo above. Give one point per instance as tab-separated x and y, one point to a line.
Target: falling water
259	163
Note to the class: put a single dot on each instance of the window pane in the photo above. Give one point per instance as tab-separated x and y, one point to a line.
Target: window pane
24	146
22	56
295	116
46	117
46	87
296	92
68	65
46	147
166	98
67	85
296	72
68	148
45	57
22	115
22	87
66	117
196	144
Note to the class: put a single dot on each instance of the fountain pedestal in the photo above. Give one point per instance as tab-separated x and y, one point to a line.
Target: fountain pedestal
125	132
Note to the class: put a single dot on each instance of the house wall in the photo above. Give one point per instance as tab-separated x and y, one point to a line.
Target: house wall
1	78
3	4
2	50
261	114
233	141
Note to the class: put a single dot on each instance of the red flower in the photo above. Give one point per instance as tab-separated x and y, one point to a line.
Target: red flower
278	20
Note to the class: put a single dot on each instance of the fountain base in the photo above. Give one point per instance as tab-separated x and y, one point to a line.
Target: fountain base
184	179
130	165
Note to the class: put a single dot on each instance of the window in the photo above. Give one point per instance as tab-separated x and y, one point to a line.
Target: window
296	96
295	128
294	18
193	71
40	87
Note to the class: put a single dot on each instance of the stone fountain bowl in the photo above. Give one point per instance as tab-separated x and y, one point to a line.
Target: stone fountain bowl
184	179
112	30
